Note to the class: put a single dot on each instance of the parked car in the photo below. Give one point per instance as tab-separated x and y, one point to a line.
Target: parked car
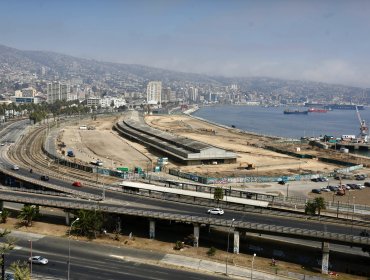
77	184
215	211
315	180
318	191
360	177
15	167
44	178
325	189
351	186
360	187
333	188
367	184
281	182
38	260
323	179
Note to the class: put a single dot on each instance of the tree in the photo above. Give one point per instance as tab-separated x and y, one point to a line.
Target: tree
21	270
28	214
316	205
218	194
319	204
4	216
310	208
90	222
5	247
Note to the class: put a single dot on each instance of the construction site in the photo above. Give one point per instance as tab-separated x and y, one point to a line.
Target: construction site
254	155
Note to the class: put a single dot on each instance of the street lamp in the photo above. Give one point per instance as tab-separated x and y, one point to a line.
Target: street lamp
69	246
287	190
31	257
254	255
228	242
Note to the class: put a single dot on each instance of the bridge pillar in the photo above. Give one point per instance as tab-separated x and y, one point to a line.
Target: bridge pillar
151	229
68	218
236	242
196	235
325	258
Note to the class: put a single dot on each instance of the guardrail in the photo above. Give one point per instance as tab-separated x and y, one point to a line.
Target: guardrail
251	227
50	186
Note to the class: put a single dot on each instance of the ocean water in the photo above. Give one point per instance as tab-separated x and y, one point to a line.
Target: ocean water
272	121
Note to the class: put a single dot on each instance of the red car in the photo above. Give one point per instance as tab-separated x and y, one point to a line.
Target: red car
77	184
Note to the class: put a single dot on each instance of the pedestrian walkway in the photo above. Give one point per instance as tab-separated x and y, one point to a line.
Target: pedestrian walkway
232	270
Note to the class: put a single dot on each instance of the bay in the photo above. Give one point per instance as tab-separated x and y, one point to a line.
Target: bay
273	122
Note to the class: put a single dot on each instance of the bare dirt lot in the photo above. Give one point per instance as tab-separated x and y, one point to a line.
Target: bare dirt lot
246	146
104	144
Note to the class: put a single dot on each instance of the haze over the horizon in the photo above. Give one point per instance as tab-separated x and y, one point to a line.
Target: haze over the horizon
325	41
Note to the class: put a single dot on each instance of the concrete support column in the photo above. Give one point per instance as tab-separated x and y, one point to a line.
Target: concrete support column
325	258
196	235
151	229
119	228
68	218
1	205
236	242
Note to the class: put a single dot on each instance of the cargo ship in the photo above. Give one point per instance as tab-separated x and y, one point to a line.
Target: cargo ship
317	110
295	112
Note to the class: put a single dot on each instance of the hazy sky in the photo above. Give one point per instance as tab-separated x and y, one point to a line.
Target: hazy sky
326	41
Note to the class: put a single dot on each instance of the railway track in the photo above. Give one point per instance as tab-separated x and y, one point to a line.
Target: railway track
27	152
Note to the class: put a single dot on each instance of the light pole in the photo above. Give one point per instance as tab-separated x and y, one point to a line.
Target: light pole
31	258
287	190
228	242
69	246
254	255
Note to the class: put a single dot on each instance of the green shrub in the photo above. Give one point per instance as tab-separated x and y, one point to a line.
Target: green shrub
178	245
211	252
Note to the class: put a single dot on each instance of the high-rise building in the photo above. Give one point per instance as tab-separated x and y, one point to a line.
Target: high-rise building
57	91
193	94
166	94
153	92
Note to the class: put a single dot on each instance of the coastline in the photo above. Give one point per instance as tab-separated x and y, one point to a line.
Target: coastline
196	108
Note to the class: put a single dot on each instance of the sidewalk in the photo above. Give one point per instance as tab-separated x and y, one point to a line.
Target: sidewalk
232	271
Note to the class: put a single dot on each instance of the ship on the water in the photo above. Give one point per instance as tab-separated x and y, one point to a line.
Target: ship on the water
317	110
295	112
335	106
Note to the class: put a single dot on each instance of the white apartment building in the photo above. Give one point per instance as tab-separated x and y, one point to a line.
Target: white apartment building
193	94
57	91
117	102
153	92
93	101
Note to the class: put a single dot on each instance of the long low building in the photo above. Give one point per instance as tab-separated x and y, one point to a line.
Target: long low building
180	149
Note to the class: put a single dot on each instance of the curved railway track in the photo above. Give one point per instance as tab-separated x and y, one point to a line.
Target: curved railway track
27	152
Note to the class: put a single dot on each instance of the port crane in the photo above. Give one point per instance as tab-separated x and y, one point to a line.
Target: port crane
363	128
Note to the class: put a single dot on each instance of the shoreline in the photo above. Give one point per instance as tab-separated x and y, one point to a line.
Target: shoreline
196	108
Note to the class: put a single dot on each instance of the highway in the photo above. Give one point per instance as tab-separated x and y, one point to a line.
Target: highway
93	261
135	202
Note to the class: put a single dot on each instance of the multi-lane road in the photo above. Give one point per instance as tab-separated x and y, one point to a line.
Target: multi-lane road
143	203
93	261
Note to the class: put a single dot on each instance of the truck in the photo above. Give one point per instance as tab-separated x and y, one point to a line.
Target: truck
97	163
70	153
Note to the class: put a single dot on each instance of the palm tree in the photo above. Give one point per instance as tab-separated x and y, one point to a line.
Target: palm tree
21	270
4	216
28	213
218	194
319	204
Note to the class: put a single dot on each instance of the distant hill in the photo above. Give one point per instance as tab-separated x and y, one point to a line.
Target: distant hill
60	66
67	66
